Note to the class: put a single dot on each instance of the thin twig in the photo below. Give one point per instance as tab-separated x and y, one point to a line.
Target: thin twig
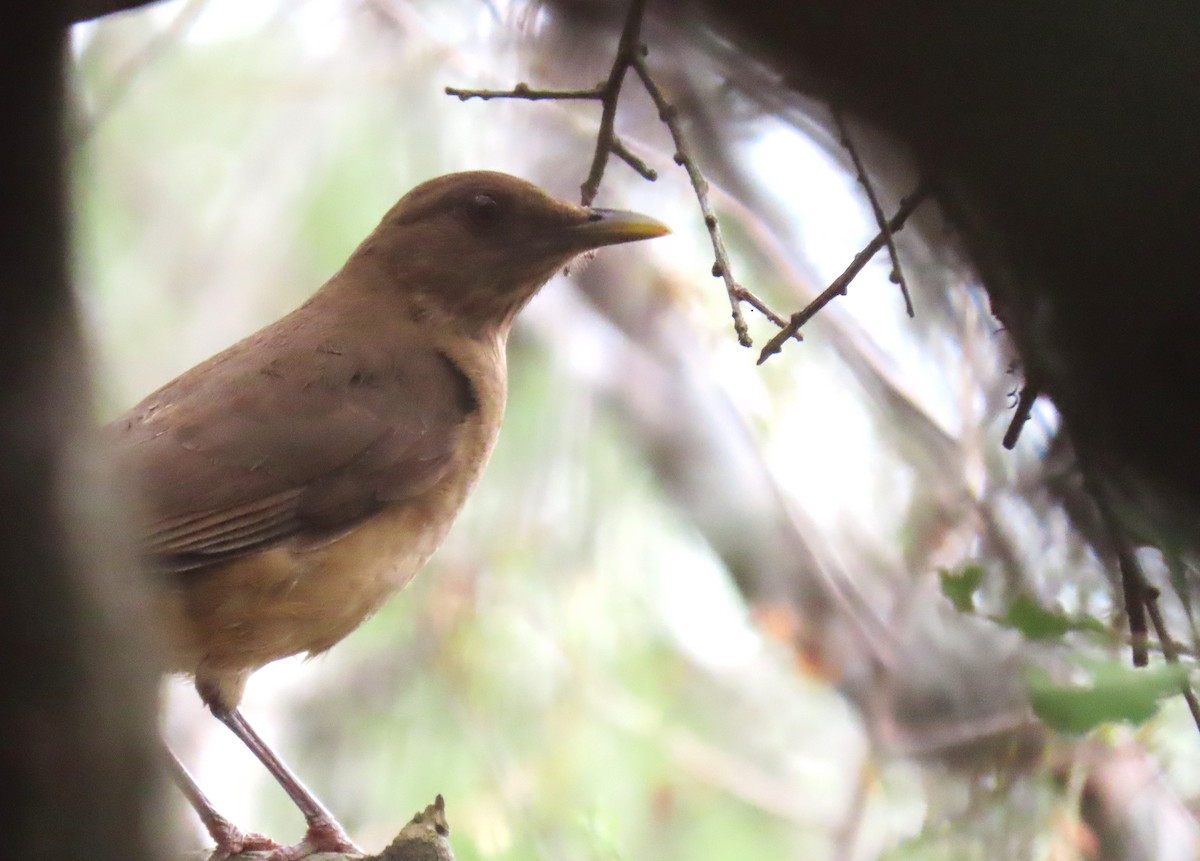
897	276
598	93
763	308
1134	585
631	54
627	50
669	114
842	282
607	92
1029	394
526	93
630	158
1170	650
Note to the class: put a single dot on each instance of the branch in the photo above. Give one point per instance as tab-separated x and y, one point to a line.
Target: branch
842	282
627	49
623	152
631	54
607	92
1134	586
426	837
669	114
897	276
526	93
1169	648
1029	394
761	307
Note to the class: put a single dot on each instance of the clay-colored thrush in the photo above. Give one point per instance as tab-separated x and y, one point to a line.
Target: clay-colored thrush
295	481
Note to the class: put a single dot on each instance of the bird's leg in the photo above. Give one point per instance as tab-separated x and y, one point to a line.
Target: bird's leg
324	834
230	839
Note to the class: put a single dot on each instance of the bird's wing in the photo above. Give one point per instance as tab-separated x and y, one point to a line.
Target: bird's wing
242	453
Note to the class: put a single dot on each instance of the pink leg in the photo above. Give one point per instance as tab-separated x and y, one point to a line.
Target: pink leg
324	833
230	839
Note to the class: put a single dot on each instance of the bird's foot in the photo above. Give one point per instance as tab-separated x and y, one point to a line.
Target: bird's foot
231	841
323	835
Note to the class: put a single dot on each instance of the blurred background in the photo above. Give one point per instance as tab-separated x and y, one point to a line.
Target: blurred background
697	609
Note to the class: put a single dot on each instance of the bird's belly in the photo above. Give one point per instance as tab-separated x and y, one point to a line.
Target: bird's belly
235	617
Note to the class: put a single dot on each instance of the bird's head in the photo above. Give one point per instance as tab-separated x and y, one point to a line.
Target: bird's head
474	247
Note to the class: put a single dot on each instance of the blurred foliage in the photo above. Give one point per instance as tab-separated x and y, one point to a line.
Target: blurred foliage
1113	693
1037	623
960	586
575	670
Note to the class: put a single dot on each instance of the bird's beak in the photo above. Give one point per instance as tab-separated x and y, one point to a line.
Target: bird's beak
614	226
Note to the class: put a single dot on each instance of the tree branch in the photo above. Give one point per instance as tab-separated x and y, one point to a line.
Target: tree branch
897	276
631	54
626	51
842	282
1134	585
1029	394
426	837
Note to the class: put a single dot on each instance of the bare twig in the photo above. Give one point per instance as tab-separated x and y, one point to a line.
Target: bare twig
627	50
598	93
669	114
1134	585
763	308
840	284
631	54
607	92
1029	394
526	93
897	276
1169	648
624	154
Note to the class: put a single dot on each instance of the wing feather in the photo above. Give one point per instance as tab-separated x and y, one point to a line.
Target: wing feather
243	452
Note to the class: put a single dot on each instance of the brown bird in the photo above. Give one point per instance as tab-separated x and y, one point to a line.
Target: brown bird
292	483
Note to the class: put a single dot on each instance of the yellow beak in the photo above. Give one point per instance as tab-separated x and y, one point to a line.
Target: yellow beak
614	226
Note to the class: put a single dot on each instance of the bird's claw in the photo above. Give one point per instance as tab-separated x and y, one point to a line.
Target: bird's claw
323	835
234	842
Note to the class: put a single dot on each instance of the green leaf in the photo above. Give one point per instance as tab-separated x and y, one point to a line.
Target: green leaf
1035	621
1116	693
1091	624
960	587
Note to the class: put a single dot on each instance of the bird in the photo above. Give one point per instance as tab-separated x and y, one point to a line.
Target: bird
291	484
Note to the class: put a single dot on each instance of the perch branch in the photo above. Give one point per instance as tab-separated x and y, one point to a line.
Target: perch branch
840	284
426	837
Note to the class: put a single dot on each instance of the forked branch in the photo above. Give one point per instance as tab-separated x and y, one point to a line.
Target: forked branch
631	53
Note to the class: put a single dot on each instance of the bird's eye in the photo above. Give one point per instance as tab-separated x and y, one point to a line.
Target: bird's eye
483	210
